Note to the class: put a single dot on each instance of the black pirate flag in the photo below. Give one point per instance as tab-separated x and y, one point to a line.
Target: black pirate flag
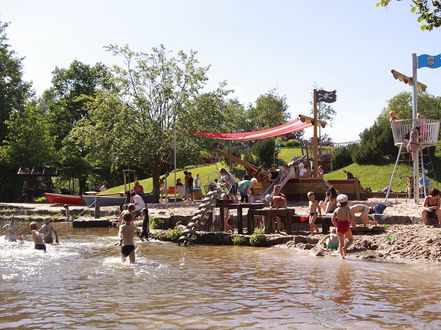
325	96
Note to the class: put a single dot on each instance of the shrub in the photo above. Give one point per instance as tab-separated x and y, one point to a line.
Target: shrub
341	158
258	238
237	239
157	223
160	235
173	234
292	143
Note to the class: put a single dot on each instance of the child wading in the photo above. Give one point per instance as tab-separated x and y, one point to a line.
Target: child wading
37	237
126	234
47	229
342	218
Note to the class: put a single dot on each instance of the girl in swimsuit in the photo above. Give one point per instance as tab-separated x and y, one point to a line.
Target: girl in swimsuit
341	219
431	206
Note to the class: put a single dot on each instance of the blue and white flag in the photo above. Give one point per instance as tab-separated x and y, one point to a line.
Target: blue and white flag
325	96
429	61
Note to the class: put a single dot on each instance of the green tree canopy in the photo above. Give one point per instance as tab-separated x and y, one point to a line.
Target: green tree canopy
66	101
28	141
428	11
270	110
13	90
136	124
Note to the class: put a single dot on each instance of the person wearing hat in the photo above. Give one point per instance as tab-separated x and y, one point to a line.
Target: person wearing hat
342	218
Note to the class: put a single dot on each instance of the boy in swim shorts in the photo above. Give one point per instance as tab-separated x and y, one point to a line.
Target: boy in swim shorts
314	208
47	229
37	237
341	219
126	234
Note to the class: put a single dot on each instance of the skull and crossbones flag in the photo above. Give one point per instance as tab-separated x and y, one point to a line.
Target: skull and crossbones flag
325	96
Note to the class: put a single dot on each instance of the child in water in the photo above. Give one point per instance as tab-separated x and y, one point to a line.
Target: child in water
330	241
47	229
341	219
126	234
37	237
67	212
314	209
11	232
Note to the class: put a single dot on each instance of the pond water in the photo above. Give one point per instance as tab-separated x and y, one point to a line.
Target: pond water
82	283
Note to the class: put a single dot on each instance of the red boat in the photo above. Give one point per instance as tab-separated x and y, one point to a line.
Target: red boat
64	199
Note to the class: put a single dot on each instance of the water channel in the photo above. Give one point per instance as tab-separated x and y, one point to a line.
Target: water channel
82	283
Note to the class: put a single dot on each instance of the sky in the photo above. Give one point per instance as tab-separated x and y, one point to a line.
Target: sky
254	45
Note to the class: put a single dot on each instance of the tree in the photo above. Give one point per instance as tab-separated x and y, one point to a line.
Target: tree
153	90
428	11
13	90
270	110
28	141
66	101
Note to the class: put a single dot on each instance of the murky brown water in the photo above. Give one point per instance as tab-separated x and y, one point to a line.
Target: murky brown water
83	284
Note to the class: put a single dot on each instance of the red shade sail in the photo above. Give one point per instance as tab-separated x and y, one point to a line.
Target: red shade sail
289	127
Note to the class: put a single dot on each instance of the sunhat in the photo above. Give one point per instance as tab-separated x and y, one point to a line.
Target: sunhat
342	198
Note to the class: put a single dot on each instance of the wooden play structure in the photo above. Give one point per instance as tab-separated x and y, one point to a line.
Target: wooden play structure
295	187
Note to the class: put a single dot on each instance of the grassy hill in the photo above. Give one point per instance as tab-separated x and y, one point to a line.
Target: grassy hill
375	177
206	173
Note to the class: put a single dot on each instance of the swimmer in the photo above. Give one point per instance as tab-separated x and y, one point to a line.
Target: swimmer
37	237
47	229
126	234
11	232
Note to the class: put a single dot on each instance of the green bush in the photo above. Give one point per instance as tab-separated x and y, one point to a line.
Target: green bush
40	199
173	234
157	223
292	143
160	235
341	158
258	238
237	239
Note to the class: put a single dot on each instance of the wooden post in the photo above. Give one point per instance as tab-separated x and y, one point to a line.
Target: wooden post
221	222
315	135
239	220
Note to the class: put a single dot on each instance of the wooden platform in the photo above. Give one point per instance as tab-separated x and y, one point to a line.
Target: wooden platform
91	223
269	216
228	204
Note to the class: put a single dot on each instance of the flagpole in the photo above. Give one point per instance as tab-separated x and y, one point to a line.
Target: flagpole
414	124
174	158
315	142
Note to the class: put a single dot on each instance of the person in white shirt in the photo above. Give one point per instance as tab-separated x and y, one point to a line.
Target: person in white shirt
138	202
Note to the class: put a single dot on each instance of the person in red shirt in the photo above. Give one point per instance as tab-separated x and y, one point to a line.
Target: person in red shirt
138	188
